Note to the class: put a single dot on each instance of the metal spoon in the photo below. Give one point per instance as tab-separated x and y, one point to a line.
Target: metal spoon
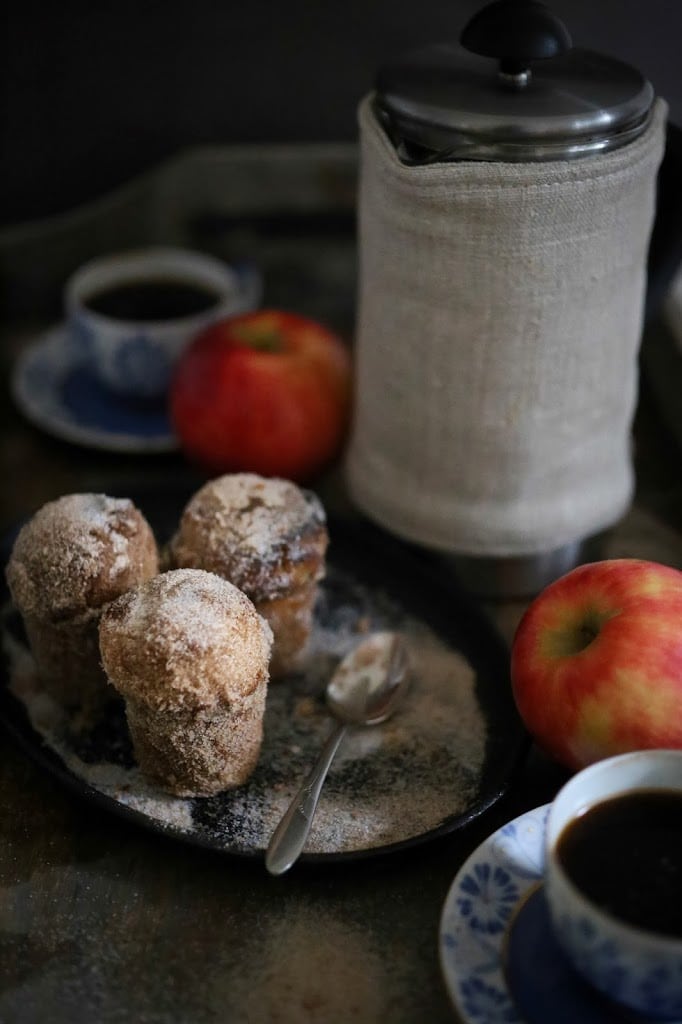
364	690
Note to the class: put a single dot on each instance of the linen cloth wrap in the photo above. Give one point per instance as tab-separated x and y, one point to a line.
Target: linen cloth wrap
499	322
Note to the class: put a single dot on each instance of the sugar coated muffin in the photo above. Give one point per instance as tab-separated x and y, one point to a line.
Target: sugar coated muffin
269	538
189	654
69	561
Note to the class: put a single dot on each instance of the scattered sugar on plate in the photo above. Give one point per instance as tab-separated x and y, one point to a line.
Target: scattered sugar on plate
388	783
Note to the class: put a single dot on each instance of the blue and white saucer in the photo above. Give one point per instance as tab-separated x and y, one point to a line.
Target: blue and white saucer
57	392
499	957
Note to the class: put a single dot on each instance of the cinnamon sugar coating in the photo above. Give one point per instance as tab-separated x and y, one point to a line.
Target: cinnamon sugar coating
291	621
265	535
185	638
76	555
268	537
189	653
190	752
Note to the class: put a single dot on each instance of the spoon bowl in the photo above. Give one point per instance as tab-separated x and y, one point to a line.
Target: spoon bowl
368	683
365	690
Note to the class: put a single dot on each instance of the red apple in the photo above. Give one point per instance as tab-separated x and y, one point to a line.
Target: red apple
266	392
597	661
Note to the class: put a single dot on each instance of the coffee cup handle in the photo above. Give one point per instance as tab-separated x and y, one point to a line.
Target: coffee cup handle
250	284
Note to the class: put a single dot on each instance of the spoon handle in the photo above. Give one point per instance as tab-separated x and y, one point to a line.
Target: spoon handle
289	837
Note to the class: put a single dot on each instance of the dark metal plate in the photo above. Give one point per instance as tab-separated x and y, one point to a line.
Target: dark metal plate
450	752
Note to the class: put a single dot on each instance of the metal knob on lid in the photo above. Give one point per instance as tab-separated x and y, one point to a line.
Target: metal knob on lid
542	99
516	32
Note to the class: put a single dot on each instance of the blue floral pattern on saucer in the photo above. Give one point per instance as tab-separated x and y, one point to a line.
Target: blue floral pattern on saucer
145	365
477	912
53	387
496	940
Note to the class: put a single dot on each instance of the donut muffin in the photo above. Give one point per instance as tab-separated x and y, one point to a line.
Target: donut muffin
269	538
75	556
189	654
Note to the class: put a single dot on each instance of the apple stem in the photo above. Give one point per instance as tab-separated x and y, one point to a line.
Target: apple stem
261	337
587	633
578	636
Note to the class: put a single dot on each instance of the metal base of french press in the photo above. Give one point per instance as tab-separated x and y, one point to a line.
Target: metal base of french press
522	576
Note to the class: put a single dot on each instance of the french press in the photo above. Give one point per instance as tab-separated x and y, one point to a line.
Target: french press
506	200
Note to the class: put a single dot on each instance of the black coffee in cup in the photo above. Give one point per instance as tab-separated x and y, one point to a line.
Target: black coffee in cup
152	299
625	854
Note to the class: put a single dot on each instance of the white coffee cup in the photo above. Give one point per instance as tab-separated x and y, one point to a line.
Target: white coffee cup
639	968
134	355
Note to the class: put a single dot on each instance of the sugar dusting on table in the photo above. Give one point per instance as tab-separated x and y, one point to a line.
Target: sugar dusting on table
388	783
315	967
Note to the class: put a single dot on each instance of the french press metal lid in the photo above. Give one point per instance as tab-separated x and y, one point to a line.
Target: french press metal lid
545	99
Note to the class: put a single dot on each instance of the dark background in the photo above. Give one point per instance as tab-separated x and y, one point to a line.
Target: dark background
94	93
